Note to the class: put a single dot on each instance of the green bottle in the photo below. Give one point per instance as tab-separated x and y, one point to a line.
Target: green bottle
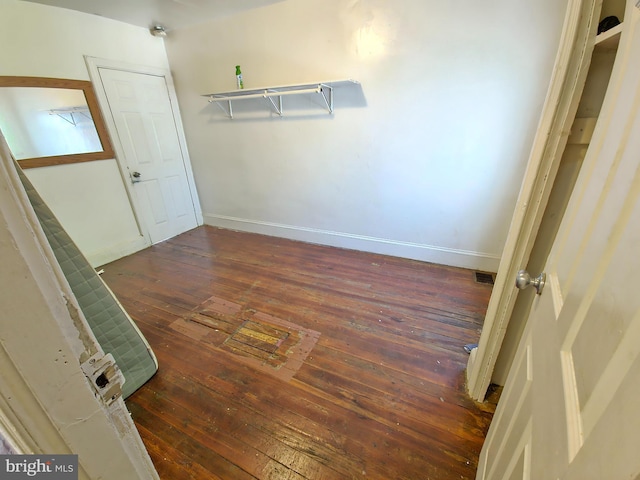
239	81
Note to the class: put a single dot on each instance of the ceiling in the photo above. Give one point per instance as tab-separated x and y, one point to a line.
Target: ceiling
172	14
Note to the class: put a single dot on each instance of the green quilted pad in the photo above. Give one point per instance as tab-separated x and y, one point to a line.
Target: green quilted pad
113	328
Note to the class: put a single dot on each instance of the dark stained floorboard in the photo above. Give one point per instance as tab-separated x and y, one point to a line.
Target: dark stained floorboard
380	395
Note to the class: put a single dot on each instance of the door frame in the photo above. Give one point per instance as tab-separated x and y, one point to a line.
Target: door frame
559	110
93	66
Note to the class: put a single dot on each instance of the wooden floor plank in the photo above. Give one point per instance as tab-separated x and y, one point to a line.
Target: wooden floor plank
380	395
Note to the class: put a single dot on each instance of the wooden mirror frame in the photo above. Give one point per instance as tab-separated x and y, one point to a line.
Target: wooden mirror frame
94	109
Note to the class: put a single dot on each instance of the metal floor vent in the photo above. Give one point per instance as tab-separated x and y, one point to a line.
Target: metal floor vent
482	277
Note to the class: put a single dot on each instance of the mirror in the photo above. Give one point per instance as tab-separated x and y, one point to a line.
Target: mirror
65	127
51	121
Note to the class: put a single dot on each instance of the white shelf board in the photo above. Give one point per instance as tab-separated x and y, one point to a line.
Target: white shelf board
281	88
323	88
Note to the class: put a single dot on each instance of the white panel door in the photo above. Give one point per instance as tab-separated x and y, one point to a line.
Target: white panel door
570	409
145	125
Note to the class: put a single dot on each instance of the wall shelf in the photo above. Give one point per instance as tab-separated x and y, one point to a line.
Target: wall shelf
73	115
274	94
610	39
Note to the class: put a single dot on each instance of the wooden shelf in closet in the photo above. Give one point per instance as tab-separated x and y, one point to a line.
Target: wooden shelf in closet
610	39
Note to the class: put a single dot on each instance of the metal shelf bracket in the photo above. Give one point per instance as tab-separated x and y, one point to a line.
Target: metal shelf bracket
67	114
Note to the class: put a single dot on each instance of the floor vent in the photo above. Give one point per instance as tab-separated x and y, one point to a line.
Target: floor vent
482	277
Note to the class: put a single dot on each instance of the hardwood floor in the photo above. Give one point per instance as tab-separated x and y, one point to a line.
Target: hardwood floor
379	395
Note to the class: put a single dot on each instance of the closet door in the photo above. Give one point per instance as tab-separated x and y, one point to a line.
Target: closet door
568	410
143	116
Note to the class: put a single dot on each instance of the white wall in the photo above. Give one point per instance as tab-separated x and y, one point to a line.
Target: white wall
90	198
427	165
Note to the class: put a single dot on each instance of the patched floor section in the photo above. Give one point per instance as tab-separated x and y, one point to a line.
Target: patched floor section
257	339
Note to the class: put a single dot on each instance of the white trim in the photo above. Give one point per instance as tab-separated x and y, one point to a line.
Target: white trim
107	255
93	66
569	75
9	434
428	253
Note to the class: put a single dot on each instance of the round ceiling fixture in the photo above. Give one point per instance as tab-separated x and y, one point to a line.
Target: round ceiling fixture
158	31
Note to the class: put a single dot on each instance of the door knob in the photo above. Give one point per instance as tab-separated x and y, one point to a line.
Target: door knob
135	177
524	280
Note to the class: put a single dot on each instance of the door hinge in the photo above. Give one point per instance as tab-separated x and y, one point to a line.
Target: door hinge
105	376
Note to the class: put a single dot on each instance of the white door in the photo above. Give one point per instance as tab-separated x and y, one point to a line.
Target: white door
569	409
156	164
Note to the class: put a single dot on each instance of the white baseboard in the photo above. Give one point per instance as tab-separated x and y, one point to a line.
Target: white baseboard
427	253
114	252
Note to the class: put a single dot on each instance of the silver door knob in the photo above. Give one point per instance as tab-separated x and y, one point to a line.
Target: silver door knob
135	177
524	280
